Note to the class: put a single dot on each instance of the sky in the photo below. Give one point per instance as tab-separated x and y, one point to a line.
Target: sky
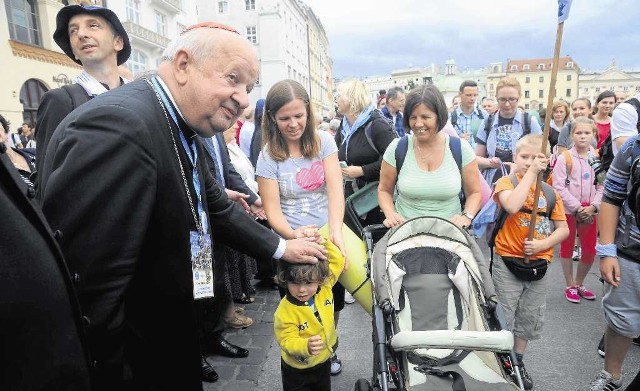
376	37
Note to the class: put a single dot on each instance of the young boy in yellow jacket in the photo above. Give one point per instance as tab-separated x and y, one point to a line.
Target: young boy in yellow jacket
303	323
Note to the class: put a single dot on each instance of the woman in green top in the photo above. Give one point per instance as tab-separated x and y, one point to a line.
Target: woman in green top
429	181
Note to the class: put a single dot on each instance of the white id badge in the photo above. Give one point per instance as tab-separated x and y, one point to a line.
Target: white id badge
201	265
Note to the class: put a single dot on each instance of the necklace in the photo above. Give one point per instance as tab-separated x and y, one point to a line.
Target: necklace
294	161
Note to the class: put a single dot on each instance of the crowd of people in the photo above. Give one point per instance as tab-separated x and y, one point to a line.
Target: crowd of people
151	204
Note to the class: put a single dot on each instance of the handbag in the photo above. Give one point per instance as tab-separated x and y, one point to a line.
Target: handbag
532	271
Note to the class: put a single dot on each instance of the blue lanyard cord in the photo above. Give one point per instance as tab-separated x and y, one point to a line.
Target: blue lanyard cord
191	152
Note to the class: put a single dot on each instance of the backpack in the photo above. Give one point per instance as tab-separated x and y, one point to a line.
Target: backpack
368	133
456	150
77	93
454	116
633	197
569	161
606	149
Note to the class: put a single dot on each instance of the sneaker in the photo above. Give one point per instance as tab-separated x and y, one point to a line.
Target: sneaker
527	382
238	321
636	341
336	365
601	347
604	382
348	298
585	293
576	254
571	293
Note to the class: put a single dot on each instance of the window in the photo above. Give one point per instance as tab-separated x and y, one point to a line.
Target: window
137	62
527	79
541	67
637	88
625	89
23	21
223	7
491	87
495	69
133	11
568	95
250	5
514	67
586	90
568	77
525	67
251	34
526	106
540	93
30	96
570	64
541	79
526	94
597	89
161	23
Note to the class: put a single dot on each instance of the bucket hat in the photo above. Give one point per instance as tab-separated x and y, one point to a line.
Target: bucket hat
61	35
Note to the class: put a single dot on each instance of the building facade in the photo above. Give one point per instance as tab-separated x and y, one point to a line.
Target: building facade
534	76
33	63
151	24
290	41
591	84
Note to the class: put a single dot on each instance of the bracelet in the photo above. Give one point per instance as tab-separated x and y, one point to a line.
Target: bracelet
607	250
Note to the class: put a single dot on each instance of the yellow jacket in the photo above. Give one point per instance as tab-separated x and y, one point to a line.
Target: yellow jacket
294	321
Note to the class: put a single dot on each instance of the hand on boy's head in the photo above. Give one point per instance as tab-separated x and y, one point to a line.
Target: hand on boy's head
315	345
304	250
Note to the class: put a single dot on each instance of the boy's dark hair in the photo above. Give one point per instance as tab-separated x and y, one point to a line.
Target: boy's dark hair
302	273
467	83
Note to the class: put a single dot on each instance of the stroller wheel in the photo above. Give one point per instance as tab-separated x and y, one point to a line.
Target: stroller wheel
363	385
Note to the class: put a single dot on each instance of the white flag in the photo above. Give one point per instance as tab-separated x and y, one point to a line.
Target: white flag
563	10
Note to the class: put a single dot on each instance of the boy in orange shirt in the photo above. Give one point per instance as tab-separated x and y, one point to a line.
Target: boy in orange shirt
524	299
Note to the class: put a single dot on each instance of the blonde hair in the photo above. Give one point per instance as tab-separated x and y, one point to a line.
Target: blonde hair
531	140
355	94
584	121
509	82
559	104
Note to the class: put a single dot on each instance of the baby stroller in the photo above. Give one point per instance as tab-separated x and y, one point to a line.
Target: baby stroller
435	325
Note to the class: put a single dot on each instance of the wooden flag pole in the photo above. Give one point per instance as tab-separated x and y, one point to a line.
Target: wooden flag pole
545	133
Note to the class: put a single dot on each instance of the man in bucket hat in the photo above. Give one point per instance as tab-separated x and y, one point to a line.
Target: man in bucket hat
93	37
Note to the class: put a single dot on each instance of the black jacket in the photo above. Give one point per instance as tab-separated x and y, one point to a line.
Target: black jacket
361	153
111	183
41	332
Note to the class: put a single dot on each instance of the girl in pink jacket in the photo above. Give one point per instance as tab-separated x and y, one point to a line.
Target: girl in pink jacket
573	179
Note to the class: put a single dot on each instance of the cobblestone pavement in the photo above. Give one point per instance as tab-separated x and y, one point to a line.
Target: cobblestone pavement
563	360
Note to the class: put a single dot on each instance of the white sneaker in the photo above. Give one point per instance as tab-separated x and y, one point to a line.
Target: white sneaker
576	254
604	382
348	298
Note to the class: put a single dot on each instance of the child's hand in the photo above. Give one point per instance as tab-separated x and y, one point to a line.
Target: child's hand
337	240
532	247
539	164
315	345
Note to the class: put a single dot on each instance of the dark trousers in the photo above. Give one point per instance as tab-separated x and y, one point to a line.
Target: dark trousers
317	378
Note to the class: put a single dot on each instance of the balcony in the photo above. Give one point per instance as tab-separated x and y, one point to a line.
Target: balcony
172	6
142	36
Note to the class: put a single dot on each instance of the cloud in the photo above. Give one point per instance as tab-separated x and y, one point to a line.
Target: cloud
375	37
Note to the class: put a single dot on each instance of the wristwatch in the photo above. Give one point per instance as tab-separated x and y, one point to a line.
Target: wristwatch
467	215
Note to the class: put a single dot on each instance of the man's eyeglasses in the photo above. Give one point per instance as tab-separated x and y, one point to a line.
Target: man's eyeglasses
505	100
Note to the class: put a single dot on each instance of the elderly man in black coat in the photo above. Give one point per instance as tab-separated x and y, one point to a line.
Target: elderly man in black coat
41	332
125	181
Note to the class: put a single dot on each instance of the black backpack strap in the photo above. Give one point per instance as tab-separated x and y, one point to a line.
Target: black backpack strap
480	115
368	133
454	118
527	124
77	93
487	125
401	152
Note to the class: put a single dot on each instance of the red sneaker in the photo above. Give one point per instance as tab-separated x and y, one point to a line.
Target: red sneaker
571	293
585	293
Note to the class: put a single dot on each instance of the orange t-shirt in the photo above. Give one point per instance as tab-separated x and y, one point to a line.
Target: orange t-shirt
510	239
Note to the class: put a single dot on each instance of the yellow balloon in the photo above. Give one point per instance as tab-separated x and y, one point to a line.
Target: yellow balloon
355	279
